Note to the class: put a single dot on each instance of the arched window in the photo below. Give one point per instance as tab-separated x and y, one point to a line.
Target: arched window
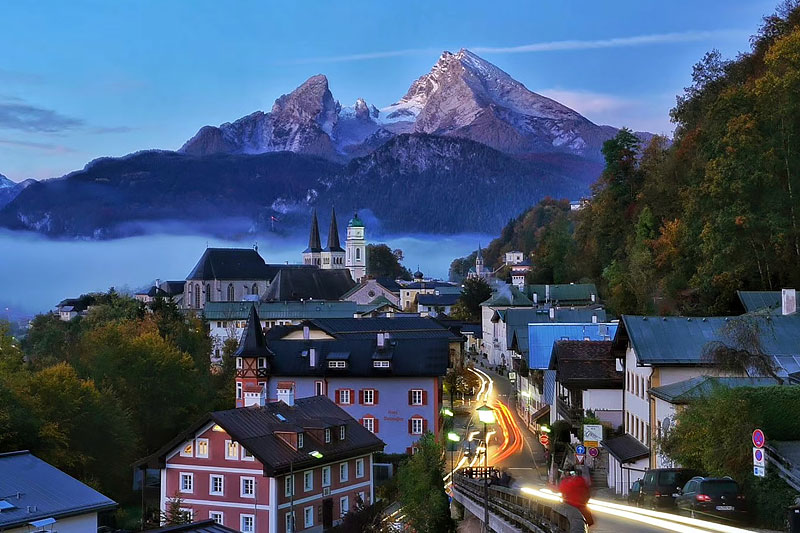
255	289
197	295
208	293
231	296
358	253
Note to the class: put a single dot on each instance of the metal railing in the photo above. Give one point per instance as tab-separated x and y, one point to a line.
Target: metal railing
526	513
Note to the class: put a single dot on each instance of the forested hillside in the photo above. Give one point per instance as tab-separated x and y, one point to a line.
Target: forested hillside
678	228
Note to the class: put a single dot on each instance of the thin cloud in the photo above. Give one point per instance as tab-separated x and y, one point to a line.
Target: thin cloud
17	115
42	147
615	42
588	101
111	129
365	56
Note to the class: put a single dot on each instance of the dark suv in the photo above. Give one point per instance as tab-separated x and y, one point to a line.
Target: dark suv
705	497
659	485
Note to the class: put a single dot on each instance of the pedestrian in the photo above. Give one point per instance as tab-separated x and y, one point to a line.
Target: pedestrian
575	492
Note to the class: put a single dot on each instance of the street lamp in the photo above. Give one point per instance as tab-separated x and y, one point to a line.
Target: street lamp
486	415
545	429
447	412
316	455
452	437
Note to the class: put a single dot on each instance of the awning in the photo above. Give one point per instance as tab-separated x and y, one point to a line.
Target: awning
540	413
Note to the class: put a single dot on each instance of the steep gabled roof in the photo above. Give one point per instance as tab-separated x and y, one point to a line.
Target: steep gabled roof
585	365
314	242
204	526
43	488
507	296
308	283
252	343
229	263
333	235
518	318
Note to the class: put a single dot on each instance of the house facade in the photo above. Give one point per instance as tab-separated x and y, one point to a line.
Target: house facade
254	469
370	289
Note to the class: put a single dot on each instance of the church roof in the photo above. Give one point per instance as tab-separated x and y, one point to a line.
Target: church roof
333	235
314	242
480	254
229	263
252	343
355	222
295	284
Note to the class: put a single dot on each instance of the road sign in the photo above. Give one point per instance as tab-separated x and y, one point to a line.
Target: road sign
580	449
512	376
579	458
759	471
594	452
758	457
592	435
758	438
544	440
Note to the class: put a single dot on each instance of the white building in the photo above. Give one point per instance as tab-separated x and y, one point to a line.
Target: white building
356	245
514	258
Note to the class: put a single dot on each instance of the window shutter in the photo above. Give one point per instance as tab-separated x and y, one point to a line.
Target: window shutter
424	397
361	397
361	421
424	425
408	451
375	396
409	426
409	397
375	425
352	395
338	397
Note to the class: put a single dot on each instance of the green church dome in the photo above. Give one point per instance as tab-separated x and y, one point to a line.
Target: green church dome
355	222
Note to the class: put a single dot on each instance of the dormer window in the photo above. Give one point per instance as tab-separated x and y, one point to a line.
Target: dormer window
337	364
342	432
327	435
299	441
262	362
239	362
380	364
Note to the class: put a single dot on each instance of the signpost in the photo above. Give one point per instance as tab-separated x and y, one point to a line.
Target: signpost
759	457
580	449
592	435
594	452
544	440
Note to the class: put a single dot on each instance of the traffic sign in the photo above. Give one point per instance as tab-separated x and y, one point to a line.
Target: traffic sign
579	458
758	438
592	435
759	471
594	452
758	457
544	440
580	449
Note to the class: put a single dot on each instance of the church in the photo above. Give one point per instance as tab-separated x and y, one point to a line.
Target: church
353	257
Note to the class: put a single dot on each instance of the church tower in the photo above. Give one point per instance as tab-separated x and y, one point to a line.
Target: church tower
479	263
356	244
333	255
312	254
252	364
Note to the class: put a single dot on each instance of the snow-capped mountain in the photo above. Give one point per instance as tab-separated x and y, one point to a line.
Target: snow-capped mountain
463	96
6	183
10	189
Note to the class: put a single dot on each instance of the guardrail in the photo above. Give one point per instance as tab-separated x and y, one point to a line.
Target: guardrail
524	512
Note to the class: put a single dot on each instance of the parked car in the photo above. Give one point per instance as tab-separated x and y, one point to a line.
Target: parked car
709	497
635	493
660	484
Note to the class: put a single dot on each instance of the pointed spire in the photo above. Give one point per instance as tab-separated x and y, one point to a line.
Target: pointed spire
480	253
314	242
333	235
252	343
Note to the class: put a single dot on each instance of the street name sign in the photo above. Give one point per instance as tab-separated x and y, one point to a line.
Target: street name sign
592	435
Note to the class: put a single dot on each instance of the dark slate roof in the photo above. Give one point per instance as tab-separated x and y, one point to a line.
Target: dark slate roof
567	292
518	318
314	242
53	493
308	283
407	327
681	340
760	301
255	429
432	284
333	235
206	526
173	288
229	263
508	296
438	299
281	310
389	284
683	392
78	304
585	365
625	448
252	343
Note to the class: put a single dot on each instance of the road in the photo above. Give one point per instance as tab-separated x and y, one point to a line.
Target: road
515	448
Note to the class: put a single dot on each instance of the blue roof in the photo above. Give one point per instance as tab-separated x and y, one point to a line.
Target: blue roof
542	336
53	493
518	318
769	301
682	340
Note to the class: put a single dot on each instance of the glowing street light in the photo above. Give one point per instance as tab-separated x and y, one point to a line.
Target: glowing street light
486	415
452	437
545	429
447	412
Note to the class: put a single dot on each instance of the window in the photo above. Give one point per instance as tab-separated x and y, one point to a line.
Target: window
308	517
238	385
288	486
202	448
369	396
187	450
416	397
300	439
362	497
231	296
369	423
208	293
308	481
327	435
342	432
326	476
359	467
343	472
187	482
246	455
416	426
344	396
380	364
239	363
231	450
344	505
248	488
358	253
319	388
290	522
216	485
196	295
216	516
247	523
187	514
337	364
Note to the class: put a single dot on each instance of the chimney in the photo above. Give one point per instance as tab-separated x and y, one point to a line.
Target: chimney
552	313
306	333
788	301
158	283
535	298
594	319
594	297
547	293
312	357
381	340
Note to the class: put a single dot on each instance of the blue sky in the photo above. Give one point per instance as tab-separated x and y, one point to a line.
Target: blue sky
83	79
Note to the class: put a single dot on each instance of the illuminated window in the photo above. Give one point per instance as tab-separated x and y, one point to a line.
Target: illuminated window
231	450
202	448
187	450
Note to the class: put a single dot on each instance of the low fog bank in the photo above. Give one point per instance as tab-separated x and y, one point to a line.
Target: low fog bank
36	272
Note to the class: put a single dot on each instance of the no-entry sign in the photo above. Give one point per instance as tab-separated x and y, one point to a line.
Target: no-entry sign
544	440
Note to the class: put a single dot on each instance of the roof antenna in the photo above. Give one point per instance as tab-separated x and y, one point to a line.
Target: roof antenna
255	246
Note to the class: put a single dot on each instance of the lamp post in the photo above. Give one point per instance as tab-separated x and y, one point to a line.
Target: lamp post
316	455
453	438
486	415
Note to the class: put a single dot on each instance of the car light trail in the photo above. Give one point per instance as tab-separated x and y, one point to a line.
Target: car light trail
713	526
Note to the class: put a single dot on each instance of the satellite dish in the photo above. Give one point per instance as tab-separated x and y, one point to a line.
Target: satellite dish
665	424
